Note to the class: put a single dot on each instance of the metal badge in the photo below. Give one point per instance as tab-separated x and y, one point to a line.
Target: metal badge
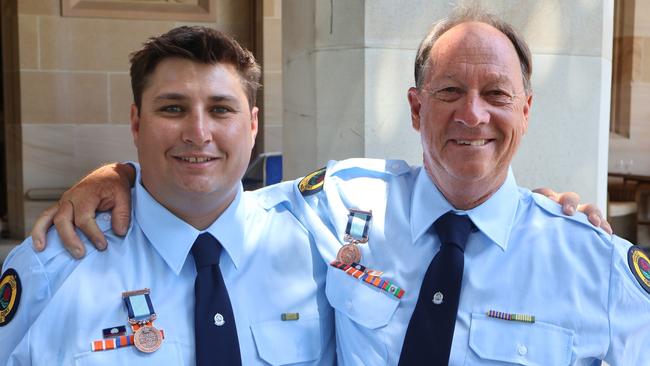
348	254
438	297
219	320
147	339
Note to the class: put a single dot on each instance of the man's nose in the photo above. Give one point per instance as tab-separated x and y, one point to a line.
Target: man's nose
472	111
196	129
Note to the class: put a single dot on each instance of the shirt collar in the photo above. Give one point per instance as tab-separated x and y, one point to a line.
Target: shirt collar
173	238
493	217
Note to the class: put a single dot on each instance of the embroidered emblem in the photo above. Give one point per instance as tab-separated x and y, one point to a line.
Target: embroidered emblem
640	266
312	183
10	290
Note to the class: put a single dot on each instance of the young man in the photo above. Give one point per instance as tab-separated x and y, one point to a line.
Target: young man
197	278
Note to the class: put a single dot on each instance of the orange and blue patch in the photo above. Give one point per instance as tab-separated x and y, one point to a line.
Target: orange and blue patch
10	291
640	266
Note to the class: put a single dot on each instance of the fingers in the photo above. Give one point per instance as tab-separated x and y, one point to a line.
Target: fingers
569	202
596	217
84	219
121	213
63	220
39	231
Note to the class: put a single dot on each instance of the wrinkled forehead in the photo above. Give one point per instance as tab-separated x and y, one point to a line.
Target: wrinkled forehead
476	45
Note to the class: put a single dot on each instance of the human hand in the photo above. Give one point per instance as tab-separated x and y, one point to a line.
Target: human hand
570	202
106	188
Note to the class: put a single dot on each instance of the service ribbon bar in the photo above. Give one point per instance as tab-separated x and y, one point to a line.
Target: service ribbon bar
113	343
511	317
375	281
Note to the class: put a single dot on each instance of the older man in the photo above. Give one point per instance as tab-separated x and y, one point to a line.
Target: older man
454	258
488	272
197	278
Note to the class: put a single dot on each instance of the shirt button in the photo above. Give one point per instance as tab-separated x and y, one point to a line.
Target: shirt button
522	350
106	217
348	305
395	166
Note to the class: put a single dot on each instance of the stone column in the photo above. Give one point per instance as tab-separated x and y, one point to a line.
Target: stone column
347	65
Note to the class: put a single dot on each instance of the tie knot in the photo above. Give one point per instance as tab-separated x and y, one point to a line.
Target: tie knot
206	250
453	229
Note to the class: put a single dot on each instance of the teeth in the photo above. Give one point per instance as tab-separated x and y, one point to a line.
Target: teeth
472	142
196	160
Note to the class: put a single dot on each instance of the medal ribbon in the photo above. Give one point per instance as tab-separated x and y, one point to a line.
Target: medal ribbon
358	225
138	305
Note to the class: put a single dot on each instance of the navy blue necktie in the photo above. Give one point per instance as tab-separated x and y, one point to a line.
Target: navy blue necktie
215	331
431	329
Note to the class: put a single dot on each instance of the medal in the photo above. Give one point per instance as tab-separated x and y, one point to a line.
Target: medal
356	232
349	253
147	339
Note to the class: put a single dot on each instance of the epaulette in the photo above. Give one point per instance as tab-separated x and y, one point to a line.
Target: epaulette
365	166
271	196
103	220
555	209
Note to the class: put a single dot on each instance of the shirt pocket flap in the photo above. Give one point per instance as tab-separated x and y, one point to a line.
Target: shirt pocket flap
169	353
285	342
362	303
529	344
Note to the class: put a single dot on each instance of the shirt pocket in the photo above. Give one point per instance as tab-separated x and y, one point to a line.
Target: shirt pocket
287	342
512	342
362	303
169	353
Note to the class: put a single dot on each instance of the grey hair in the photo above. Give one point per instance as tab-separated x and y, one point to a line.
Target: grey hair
473	14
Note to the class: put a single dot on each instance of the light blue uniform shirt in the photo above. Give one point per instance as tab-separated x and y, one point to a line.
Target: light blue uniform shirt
526	258
269	263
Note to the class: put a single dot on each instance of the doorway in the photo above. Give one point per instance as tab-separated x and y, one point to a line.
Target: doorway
11	186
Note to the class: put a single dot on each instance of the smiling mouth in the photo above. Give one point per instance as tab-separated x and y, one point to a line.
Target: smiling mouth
195	160
480	142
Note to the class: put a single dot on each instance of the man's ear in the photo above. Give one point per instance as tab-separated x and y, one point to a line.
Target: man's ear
414	103
135	123
526	111
254	125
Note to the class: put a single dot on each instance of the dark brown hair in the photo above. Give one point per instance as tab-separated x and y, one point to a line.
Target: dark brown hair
198	44
473	14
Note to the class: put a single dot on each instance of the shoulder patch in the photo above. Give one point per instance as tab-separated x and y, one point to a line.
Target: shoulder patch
10	290
640	266
312	182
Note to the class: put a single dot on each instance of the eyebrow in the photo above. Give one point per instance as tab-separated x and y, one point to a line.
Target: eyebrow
178	96
494	78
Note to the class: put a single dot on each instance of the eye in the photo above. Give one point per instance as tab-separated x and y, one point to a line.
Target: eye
172	109
498	96
220	109
448	94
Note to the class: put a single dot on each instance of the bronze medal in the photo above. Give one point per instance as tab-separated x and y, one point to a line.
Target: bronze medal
348	254
147	339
